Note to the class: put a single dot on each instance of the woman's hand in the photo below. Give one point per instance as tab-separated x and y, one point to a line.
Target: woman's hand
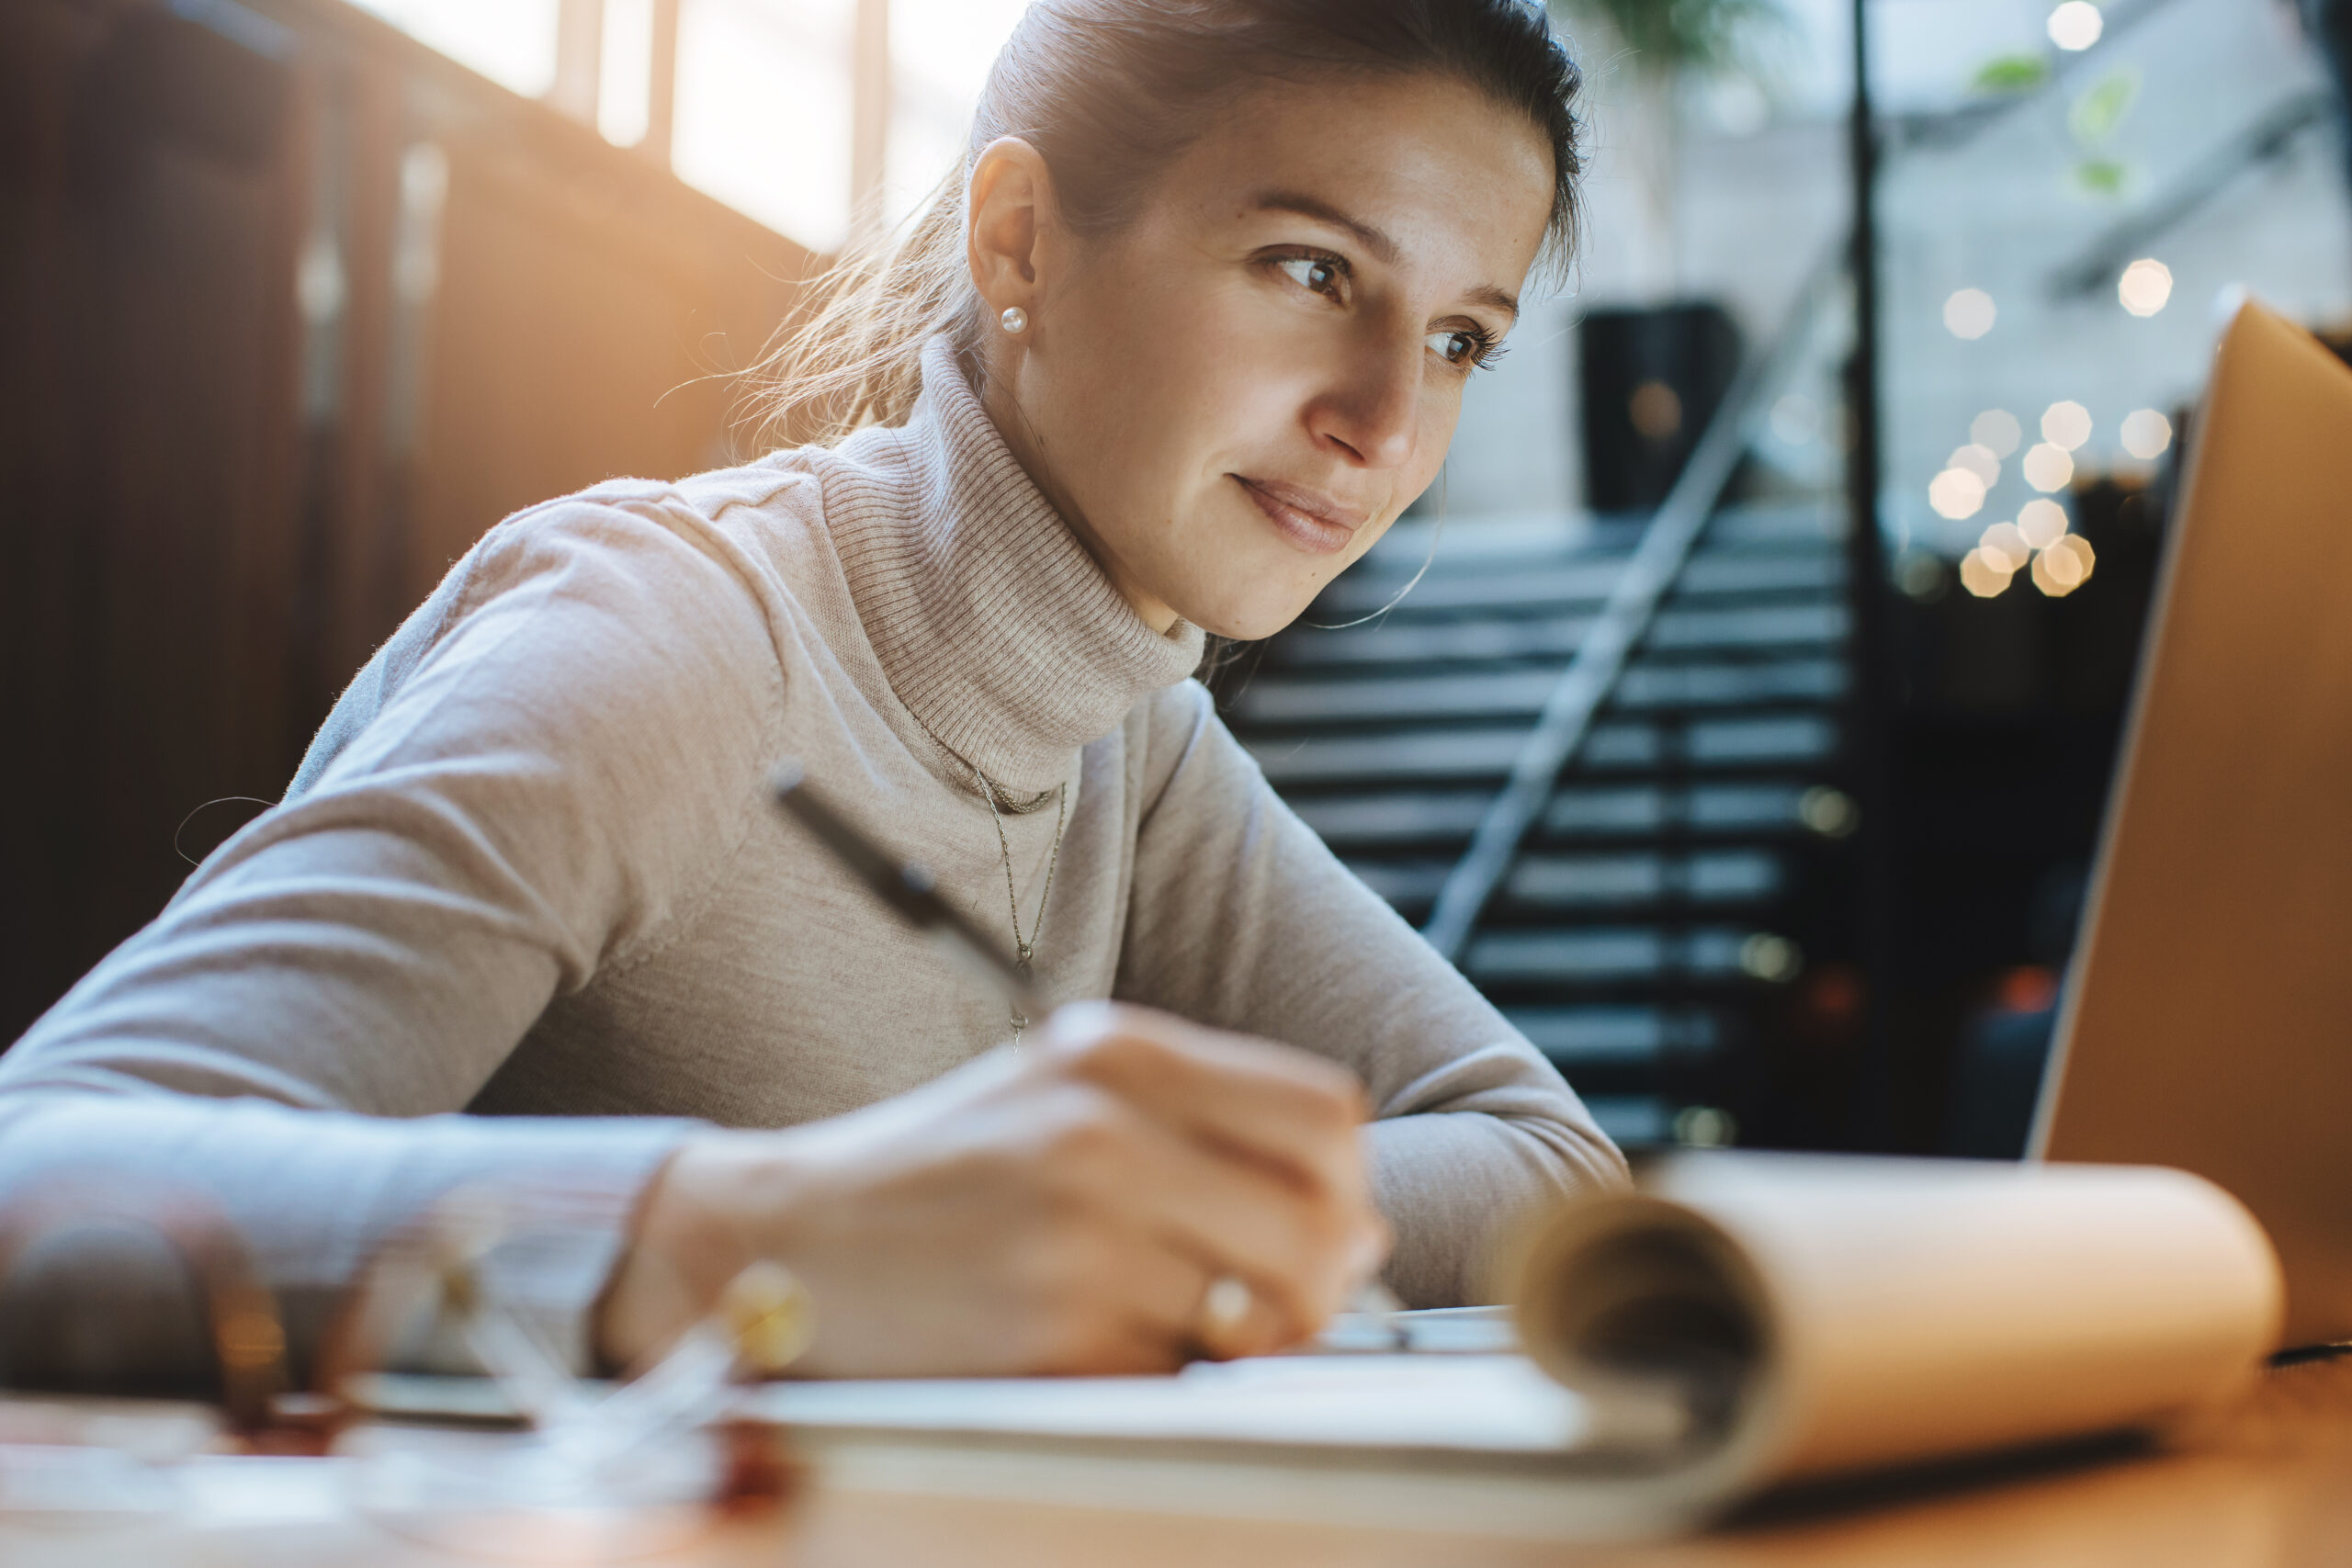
1063	1208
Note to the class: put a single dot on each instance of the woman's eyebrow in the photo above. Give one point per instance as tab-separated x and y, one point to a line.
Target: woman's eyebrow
1383	248
1502	300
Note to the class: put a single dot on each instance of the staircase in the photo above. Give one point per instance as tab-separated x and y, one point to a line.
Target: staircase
1660	904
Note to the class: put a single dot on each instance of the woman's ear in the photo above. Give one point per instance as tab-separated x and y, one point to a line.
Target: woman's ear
1011	207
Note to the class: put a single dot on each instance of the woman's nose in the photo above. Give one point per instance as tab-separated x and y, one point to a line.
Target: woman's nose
1370	411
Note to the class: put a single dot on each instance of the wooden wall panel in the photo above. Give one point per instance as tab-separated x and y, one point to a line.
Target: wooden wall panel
213	503
149	551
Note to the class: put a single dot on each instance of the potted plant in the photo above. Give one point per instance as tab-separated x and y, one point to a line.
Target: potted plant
1653	369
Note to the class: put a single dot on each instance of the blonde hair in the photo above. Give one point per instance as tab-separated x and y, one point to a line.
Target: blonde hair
1108	92
852	356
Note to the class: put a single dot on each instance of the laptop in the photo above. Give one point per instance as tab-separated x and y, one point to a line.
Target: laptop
2208	1015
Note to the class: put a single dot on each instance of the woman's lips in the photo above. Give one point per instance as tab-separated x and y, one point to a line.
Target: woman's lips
1312	520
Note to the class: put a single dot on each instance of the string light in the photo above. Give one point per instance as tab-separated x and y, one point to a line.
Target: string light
1977	460
2004	547
1956	493
1997	431
1796	421
2042	522
2067	424
2064	566
2047	467
2077	24
1982	576
1969	313
2144	287
2146	432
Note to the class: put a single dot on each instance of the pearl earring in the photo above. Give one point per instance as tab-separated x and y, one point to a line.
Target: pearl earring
1015	319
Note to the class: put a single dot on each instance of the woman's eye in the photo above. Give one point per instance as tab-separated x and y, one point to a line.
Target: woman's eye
1456	348
1314	274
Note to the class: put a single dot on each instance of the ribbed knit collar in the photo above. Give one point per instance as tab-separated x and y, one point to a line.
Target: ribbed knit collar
995	626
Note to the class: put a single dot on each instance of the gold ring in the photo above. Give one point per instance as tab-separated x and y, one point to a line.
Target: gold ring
1224	1307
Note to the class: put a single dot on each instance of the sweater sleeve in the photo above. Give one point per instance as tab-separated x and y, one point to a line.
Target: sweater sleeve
1243	920
553	760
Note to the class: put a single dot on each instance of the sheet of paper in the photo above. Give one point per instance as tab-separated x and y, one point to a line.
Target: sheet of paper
1480	1404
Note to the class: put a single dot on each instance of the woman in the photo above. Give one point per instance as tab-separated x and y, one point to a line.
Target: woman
1187	336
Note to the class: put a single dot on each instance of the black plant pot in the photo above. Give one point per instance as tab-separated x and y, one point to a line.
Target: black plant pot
1652	378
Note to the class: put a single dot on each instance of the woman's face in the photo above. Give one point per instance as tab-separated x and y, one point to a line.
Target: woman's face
1233	396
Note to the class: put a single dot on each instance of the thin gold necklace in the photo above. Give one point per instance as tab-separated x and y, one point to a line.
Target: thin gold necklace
1024	949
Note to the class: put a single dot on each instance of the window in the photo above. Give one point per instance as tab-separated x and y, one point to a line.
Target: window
767	95
512	43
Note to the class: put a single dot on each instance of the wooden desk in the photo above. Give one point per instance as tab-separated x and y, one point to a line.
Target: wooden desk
2269	1485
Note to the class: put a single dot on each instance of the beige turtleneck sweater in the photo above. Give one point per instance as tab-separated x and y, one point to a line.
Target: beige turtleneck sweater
529	871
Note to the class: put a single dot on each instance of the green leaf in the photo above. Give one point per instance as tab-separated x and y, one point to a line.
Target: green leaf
2101	176
2102	106
2011	74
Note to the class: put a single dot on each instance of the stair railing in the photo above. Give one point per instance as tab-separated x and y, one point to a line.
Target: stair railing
1650	574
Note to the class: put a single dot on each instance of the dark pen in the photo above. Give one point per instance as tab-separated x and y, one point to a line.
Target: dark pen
908	887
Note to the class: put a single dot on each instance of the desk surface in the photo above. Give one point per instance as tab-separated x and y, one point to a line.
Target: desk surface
2267	1486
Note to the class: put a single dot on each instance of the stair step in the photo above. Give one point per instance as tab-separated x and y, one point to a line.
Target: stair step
1449	817
1632	1119
1632	932
1467	543
1647	686
1614	1036
1422	815
1550	587
1594	954
1594	882
1807	623
1712	876
1488	753
1775	806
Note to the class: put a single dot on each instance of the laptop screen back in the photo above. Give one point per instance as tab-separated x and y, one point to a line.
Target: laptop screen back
2208	1020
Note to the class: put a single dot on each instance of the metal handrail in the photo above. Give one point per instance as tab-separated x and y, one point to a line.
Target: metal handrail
1658	560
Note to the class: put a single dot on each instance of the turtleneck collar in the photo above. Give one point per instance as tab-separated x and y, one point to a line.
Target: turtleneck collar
992	622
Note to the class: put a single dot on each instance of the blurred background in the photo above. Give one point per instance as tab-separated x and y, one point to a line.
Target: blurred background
1738	711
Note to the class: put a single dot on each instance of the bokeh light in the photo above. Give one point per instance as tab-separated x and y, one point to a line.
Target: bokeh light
2064	566
1982	576
1956	493
2144	287
1977	460
2004	547
2047	467
2146	432
1969	313
2042	522
1796	421
1997	431
2077	24
2067	424
1920	574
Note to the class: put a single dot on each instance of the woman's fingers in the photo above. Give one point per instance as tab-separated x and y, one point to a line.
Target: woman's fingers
1133	1191
1299	1243
1293	1110
1294	1249
1171	1307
